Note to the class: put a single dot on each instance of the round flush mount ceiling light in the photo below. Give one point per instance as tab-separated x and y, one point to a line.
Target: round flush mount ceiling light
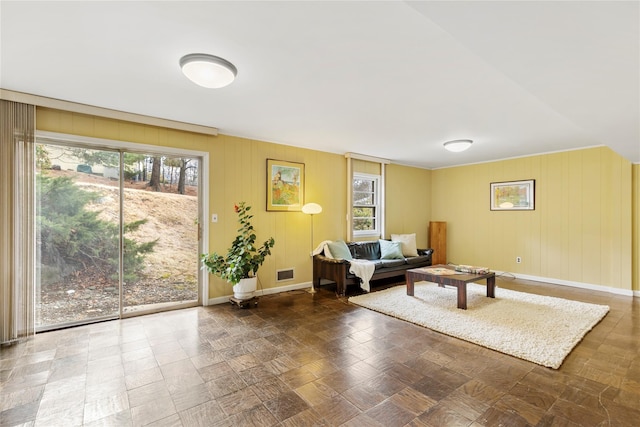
458	145
207	70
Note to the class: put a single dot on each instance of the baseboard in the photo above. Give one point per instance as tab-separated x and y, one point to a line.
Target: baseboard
582	285
261	292
304	285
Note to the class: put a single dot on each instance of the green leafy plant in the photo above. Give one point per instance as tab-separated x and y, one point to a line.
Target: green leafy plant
72	238
243	257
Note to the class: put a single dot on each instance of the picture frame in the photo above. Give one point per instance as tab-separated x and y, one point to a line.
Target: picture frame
285	186
513	195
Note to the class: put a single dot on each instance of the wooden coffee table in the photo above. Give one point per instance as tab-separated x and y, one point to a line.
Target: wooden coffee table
459	280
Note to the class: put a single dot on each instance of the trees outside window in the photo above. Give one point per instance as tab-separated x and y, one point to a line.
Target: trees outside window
107	243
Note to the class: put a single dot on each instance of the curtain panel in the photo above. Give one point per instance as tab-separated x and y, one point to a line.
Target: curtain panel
17	199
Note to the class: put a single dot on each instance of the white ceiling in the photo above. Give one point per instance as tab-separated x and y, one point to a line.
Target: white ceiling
389	79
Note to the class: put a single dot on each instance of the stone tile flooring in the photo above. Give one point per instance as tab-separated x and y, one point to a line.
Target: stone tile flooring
300	360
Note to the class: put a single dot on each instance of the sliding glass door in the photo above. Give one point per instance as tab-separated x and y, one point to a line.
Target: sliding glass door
161	224
77	235
116	233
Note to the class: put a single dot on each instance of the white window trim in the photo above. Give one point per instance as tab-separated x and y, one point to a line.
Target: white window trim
379	205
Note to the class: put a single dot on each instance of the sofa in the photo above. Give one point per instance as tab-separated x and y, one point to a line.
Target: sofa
335	267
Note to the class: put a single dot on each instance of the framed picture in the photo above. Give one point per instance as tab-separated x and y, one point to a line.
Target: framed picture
285	186
513	195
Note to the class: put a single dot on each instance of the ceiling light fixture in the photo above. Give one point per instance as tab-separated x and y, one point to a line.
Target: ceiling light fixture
207	70
458	145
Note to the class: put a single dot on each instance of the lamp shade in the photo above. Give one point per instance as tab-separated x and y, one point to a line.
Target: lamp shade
311	209
458	145
207	70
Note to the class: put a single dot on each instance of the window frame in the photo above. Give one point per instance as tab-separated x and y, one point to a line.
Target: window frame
377	205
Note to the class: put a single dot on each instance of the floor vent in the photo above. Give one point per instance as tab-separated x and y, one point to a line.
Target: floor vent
286	274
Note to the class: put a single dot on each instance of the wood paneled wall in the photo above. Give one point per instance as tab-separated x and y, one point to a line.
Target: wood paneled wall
587	204
580	230
238	173
408	207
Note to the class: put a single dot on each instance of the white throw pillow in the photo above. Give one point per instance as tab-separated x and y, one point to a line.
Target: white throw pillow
408	241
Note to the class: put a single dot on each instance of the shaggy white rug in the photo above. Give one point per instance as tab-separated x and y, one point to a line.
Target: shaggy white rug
536	328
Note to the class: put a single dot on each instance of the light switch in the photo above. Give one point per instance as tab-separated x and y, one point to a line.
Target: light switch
214	217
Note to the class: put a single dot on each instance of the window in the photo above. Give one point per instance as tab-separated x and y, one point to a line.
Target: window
365	196
366	212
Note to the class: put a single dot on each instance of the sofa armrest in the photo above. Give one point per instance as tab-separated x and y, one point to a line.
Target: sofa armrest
324	259
425	252
330	269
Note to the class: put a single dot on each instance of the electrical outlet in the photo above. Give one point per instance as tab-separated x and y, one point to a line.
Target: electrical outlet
518	260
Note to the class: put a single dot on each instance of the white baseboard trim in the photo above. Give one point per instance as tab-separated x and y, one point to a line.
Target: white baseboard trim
582	285
304	285
261	292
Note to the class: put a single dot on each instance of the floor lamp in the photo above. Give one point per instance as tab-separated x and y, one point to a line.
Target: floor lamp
312	209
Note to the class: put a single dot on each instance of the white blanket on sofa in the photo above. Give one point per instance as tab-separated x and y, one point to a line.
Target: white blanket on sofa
322	248
364	270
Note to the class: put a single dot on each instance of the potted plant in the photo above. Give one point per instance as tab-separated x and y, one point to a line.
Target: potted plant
243	259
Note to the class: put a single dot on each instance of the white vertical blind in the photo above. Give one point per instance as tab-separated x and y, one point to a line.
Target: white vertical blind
17	128
349	199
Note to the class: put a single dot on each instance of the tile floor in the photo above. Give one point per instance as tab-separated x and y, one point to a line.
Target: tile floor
300	360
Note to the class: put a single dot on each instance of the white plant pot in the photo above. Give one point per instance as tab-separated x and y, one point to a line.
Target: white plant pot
245	288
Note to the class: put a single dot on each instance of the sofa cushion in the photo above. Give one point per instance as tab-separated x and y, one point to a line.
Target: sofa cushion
388	263
339	250
365	250
408	241
418	259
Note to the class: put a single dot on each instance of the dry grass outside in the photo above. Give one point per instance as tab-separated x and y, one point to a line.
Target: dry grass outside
170	272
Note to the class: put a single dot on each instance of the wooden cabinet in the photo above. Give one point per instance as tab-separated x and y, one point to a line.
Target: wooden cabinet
438	241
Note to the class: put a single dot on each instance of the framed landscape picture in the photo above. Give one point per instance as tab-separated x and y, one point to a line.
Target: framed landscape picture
513	195
285	186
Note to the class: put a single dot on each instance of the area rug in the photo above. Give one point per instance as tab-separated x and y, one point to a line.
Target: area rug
536	328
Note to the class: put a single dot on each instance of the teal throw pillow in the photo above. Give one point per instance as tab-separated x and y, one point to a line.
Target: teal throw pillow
391	250
339	250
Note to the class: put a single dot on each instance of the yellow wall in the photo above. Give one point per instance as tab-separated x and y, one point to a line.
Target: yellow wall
238	173
408	204
585	227
580	230
636	227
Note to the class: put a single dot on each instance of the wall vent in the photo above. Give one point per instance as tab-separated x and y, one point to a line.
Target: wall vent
286	274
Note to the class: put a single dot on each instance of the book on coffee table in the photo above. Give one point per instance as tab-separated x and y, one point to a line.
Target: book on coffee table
472	269
439	271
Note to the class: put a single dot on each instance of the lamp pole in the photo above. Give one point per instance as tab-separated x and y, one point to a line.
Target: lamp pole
312	209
